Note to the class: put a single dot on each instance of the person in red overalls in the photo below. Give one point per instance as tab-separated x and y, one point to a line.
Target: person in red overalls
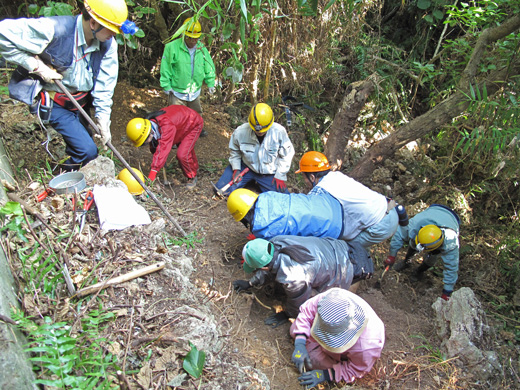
173	125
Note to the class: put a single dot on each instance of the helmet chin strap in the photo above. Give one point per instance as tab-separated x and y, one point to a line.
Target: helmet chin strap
94	32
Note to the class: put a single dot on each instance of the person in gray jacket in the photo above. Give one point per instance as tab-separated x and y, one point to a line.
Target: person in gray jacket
302	265
262	146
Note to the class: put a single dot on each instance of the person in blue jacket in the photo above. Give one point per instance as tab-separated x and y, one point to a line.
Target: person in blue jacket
272	214
302	266
434	231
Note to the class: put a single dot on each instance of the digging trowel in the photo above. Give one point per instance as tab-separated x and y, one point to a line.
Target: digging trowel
398	267
222	191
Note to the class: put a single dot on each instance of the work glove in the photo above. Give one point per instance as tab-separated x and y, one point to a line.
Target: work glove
276	319
241	285
104	129
280	184
152	175
211	90
236	177
46	73
390	260
251	237
300	356
446	294
313	378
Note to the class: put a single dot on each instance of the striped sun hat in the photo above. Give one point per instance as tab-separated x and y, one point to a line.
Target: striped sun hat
339	321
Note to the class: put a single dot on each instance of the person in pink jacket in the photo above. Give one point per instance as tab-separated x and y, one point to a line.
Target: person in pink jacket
173	125
338	337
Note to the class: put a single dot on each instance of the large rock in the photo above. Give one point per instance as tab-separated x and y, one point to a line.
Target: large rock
463	330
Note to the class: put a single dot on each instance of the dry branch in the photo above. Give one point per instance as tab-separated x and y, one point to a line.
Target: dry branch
120	279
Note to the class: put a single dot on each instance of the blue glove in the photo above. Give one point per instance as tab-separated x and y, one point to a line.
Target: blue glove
313	378
300	356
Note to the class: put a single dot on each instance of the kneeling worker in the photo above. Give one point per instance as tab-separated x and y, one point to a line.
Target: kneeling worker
302	265
338	337
436	232
173	125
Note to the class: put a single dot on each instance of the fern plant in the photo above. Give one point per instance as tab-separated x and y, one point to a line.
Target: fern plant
67	361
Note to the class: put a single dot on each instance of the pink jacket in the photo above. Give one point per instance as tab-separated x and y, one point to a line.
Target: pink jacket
355	362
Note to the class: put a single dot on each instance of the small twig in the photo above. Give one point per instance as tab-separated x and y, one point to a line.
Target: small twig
123	381
34	234
261	304
130	326
7	319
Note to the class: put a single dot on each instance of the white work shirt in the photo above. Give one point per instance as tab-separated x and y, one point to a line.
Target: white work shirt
22	39
362	207
272	156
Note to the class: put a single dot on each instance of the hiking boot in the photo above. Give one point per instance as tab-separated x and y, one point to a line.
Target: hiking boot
191	183
203	133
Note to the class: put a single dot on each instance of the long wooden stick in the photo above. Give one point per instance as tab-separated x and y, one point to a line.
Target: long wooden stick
119	156
120	279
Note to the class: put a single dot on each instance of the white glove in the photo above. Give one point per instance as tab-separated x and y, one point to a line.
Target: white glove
211	90
46	73
104	129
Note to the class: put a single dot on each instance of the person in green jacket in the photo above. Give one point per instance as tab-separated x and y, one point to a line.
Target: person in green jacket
185	65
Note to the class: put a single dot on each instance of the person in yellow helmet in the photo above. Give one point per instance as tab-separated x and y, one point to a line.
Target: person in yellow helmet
185	65
172	125
81	52
435	232
263	146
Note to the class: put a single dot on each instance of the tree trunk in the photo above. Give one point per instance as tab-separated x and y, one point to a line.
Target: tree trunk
346	118
160	23
440	115
447	109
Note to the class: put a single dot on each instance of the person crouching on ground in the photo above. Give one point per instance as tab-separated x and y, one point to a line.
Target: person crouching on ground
264	147
173	125
302	266
337	337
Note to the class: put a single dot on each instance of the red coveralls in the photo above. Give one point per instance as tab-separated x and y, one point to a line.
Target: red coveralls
180	126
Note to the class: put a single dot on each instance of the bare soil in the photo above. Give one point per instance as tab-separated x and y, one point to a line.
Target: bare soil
408	360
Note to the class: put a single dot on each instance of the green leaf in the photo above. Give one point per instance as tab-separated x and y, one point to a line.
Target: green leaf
32	9
243	8
438	14
227	30
423	4
11	208
428	18
194	362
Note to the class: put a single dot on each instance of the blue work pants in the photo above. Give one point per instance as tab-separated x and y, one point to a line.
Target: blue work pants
265	182
81	147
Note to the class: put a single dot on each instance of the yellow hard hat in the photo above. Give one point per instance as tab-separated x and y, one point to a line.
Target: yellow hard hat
261	117
313	162
133	185
109	13
194	29
429	238
138	130
240	202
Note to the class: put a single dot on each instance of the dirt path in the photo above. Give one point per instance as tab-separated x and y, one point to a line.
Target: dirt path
217	260
408	360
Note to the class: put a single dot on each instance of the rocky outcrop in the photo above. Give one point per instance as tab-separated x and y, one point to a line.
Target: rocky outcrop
463	330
